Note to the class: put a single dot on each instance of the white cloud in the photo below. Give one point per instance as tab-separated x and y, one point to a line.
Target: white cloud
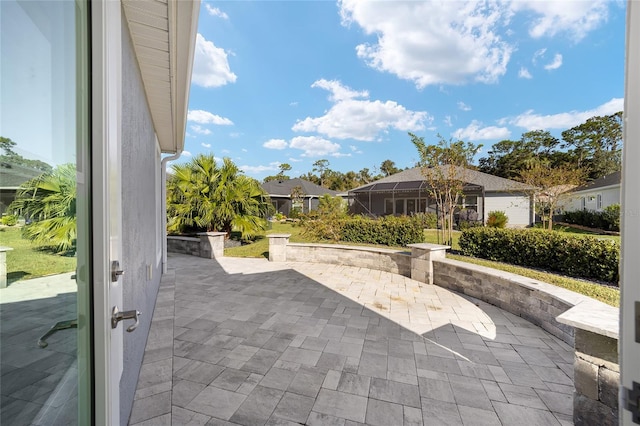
214	11
245	150
200	130
205	117
295	160
355	149
260	169
210	65
555	64
463	106
235	134
447	120
475	132
539	54
446	42
565	120
524	73
574	18
186	154
206	145
338	91
295	103
361	119
226	151
315	146
275	144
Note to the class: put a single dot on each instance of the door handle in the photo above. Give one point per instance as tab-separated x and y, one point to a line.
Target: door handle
117	316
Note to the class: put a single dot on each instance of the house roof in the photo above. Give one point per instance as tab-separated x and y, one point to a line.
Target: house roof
283	188
14	175
413	179
164	38
608	180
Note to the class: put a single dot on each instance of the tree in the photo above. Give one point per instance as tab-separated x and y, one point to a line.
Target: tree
365	176
205	196
322	168
49	201
444	168
548	184
507	158
12	158
597	144
284	167
388	168
7	145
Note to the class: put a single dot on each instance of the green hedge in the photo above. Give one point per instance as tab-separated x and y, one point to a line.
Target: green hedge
584	257
389	230
608	220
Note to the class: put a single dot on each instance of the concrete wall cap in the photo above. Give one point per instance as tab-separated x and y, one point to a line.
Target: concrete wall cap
357	248
212	234
278	235
4	248
429	246
177	238
593	316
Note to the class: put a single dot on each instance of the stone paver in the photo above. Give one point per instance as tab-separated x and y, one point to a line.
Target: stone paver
249	342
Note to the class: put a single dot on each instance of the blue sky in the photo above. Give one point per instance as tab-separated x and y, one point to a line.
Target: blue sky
297	81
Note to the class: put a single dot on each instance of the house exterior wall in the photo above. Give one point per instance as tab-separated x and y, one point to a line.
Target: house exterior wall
608	196
141	230
517	207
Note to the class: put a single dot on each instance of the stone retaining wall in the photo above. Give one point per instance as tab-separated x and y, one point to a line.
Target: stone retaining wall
209	245
184	245
388	260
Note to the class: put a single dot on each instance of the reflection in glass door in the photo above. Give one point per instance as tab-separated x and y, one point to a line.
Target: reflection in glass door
45	298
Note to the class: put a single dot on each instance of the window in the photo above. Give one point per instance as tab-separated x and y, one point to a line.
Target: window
583	203
400	206
388	206
599	202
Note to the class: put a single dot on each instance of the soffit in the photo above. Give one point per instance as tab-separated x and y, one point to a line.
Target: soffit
163	35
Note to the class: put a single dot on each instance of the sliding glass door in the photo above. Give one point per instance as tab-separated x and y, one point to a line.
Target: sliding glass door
45	292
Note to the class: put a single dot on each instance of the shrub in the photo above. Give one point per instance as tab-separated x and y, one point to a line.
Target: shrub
389	230
295	213
497	219
9	220
608	220
426	220
585	257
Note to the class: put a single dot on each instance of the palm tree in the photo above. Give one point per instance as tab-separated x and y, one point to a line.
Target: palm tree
49	200
205	196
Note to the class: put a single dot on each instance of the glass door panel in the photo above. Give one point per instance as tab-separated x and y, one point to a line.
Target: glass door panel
45	297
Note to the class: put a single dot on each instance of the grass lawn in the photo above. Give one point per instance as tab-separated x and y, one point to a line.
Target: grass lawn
260	247
431	236
25	261
581	232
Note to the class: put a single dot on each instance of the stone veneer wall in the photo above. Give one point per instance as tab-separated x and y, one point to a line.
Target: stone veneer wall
184	245
528	298
596	376
388	260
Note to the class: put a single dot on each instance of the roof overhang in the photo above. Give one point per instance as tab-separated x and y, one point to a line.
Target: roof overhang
163	33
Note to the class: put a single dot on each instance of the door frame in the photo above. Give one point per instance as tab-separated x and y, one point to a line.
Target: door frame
106	212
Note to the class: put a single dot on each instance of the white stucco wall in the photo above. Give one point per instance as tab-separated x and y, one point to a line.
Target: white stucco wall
140	212
610	195
517	207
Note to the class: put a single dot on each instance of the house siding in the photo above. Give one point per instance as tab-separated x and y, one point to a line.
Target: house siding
517	207
610	195
140	227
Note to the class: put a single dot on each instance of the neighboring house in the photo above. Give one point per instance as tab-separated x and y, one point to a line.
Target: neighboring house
595	195
11	177
103	85
282	194
407	192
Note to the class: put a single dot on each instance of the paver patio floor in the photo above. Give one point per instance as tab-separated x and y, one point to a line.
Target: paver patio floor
249	342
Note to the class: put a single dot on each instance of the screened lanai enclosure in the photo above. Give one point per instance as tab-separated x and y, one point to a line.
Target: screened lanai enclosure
407	193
